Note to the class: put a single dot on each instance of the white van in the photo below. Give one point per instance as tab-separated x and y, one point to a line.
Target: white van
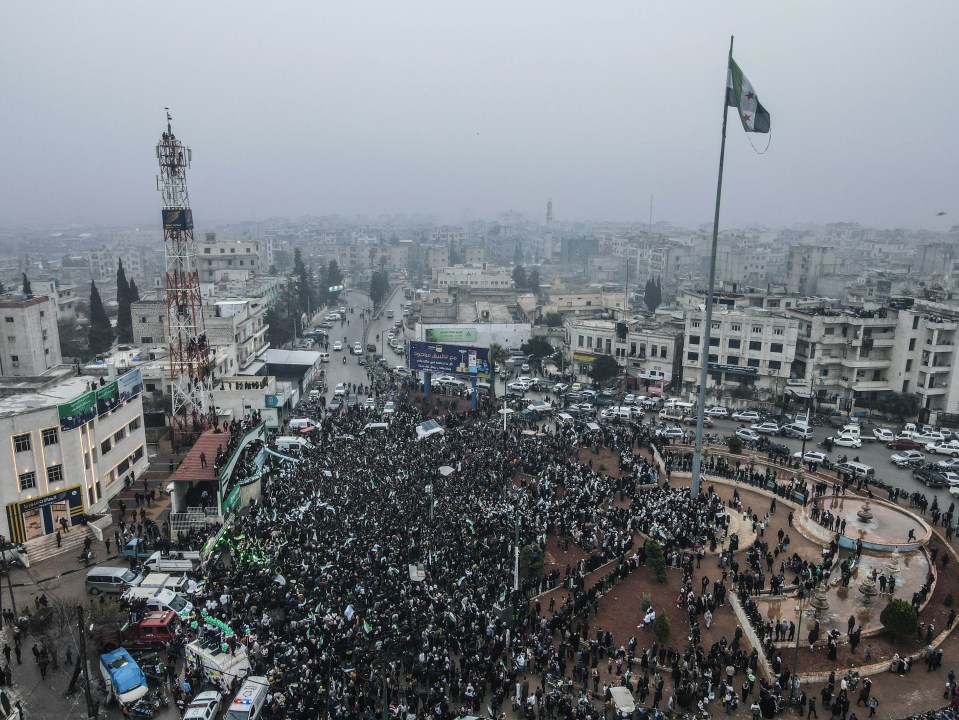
324	357
375	427
162	599
248	703
110	580
850	431
292	444
176	583
797	430
302	423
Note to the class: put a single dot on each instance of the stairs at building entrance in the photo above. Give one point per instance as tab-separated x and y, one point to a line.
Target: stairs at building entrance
44	547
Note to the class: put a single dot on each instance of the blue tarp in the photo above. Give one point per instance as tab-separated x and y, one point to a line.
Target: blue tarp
124	673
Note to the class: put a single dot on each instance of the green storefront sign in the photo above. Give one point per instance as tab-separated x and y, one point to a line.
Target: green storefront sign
453	335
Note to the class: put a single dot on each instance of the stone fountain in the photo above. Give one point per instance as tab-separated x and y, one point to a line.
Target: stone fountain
819	603
868	589
865	512
894	565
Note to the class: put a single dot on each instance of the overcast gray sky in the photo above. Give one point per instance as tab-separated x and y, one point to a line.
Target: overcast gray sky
313	108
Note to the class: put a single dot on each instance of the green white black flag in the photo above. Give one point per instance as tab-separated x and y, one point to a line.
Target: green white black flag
740	94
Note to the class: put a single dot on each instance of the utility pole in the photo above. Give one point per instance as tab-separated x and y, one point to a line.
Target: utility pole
84	663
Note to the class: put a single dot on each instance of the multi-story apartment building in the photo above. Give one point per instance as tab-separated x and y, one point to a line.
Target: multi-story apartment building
805	264
231	259
105	260
643	351
63	294
747	347
69	442
848	352
472	277
29	341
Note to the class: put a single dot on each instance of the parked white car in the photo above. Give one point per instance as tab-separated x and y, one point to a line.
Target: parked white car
949	447
811	456
882	434
846	441
718	412
747	434
746	416
908	457
766	428
519	386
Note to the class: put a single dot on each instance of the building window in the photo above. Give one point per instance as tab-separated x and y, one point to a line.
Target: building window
752	362
776	347
589	341
28	480
713	342
732	360
908	365
713	358
143	318
51	436
696	323
21	443
757	328
147	339
652	350
134	424
119	435
912	343
755	346
829	331
105	447
736	327
775	365
915	322
694	339
733	344
55	474
692	356
779	331
11	339
8	319
662	352
15	359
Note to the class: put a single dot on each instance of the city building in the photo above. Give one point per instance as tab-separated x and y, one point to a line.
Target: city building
805	264
749	347
472	276
63	294
227	260
29	342
70	442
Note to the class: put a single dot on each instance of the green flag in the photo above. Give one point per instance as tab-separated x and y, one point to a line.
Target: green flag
741	95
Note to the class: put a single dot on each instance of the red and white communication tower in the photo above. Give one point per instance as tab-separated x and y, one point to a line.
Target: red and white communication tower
190	376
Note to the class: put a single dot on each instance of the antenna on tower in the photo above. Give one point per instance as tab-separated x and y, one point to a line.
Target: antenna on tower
169	117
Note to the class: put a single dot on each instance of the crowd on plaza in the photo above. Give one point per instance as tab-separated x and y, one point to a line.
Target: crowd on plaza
323	588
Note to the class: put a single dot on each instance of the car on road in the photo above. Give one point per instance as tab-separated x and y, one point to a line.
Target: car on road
748	434
882	435
560	387
340	389
746	416
361	361
351	400
718	412
389	407
357	349
929	436
812	456
335	404
951	477
675	433
908	457
446	381
950	464
932	478
845	441
629	399
205	706
337	345
519	386
901	443
708	422
384	363
949	447
766	428
369	403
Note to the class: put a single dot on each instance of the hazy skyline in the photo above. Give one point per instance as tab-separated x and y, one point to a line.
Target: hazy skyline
302	108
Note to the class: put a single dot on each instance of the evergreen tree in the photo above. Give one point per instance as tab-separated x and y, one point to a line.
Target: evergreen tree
379	287
519	277
27	290
2	288
134	291
101	333
532	279
124	316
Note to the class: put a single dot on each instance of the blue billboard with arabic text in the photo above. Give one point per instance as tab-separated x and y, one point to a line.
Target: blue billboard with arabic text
434	357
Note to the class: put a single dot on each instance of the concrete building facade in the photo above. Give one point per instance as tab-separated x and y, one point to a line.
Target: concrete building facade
29	342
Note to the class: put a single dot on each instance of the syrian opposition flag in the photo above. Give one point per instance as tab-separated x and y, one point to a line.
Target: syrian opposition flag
740	94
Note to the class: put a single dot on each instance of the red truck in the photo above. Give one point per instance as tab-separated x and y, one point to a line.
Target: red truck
154	629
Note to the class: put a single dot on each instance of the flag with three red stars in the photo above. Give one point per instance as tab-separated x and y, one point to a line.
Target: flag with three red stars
741	95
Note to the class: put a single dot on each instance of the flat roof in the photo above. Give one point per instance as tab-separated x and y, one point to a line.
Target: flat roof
47	397
290	357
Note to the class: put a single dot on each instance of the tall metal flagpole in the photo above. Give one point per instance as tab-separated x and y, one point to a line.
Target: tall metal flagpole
704	348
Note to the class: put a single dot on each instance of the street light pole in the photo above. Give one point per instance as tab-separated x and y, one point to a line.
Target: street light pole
91	710
794	684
